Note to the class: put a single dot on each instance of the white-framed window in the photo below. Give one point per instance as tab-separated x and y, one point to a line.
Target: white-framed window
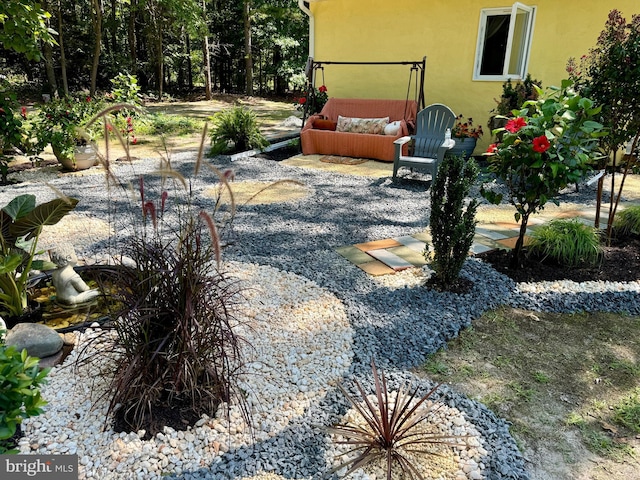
504	42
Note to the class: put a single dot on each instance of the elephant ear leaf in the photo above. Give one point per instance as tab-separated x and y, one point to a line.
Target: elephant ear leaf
48	213
20	206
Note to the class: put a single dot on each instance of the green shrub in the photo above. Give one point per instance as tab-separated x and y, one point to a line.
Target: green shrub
20	380
627	221
237	125
162	124
568	242
452	226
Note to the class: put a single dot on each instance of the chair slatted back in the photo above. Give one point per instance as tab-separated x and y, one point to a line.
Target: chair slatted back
431	125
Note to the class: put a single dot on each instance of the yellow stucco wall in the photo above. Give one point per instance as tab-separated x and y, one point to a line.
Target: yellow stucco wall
446	33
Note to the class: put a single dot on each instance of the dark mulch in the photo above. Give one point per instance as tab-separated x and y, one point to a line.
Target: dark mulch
620	263
280	154
179	417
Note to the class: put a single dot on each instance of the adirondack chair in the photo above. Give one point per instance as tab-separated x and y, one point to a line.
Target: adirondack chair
430	145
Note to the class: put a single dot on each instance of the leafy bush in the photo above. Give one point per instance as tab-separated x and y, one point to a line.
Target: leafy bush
20	380
175	335
162	124
452	226
568	242
627	221
11	129
550	144
21	222
239	126
392	428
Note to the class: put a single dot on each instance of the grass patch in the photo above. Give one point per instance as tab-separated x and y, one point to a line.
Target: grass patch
566	382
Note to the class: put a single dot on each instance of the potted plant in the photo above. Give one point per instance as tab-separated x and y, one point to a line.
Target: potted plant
60	123
466	137
512	98
21	222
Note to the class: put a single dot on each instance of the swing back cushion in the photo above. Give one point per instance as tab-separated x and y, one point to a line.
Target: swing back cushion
378	146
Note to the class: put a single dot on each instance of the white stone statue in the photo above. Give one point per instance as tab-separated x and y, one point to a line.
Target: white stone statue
70	288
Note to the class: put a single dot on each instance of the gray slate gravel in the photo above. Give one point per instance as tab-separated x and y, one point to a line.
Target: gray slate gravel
396	327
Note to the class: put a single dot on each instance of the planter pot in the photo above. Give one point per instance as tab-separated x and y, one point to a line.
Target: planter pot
464	147
84	157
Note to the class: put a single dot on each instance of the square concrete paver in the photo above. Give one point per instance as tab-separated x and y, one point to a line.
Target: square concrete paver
412	243
410	255
377	244
353	254
390	259
376	268
493	234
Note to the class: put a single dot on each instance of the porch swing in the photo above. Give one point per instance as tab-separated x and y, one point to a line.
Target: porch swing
359	127
416	76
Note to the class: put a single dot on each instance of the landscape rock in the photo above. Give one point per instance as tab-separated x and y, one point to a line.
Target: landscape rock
39	340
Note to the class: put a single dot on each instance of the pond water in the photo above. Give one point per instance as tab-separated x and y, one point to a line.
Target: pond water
64	318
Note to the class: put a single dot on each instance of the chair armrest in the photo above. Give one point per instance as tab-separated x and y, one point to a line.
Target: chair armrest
402	140
446	145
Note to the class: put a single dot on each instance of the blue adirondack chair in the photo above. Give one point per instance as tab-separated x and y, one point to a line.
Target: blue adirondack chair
430	145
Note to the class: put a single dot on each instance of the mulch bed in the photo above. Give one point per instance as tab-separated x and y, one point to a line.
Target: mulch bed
620	263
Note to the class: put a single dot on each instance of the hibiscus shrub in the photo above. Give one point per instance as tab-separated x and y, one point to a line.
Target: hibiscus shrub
553	142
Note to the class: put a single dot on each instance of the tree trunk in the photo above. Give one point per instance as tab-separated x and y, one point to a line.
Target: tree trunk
248	58
97	47
516	258
132	39
48	62
280	83
207	67
114	26
189	66
63	57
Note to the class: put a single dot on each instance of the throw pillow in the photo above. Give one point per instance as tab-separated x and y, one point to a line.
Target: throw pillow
373	126
392	128
324	124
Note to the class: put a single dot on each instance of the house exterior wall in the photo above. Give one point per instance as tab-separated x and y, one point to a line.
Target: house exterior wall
446	33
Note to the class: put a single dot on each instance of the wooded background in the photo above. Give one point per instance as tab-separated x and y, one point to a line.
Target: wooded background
255	47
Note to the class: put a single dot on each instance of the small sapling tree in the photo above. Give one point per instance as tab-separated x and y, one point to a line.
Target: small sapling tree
550	144
452	226
609	74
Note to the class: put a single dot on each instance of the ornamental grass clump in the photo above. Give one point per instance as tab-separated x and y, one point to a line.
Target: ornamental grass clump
570	243
173	348
391	430
627	221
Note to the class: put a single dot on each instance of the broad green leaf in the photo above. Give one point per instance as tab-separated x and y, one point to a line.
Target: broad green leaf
48	213
9	263
20	206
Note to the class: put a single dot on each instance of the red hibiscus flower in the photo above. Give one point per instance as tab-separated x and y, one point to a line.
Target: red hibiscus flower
302	100
541	144
493	148
515	124
322	89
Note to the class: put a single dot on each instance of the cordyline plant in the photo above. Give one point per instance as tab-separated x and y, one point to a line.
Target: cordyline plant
609	74
392	429
552	142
